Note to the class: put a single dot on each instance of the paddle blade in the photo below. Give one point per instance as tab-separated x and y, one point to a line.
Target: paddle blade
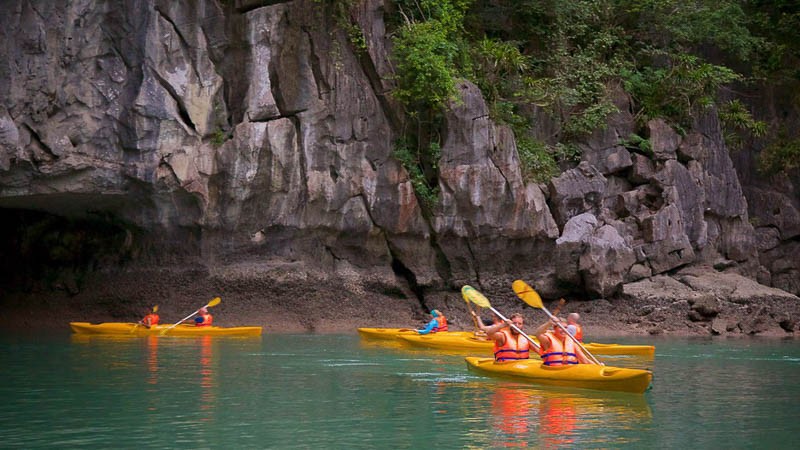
155	308
527	294
214	302
471	294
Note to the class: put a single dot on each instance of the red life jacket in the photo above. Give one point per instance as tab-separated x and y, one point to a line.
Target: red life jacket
150	319
442	321
560	352
208	319
513	348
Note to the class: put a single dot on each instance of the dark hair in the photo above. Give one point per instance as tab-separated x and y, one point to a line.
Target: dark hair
487	322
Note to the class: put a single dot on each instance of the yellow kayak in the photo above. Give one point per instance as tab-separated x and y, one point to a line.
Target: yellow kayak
583	376
620	349
466	340
448	340
132	329
394	333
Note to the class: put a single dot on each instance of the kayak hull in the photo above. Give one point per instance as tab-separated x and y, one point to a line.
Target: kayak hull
582	376
620	349
468	341
384	333
447	341
394	333
132	329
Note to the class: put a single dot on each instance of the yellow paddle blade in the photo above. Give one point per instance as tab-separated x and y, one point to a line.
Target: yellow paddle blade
527	294
214	302
469	293
155	308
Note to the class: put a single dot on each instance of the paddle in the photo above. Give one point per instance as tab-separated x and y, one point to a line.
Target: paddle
531	297
155	309
471	294
472	314
213	302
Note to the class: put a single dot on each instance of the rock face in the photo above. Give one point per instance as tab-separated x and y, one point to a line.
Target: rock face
250	138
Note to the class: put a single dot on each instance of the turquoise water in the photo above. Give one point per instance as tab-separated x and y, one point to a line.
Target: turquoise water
337	391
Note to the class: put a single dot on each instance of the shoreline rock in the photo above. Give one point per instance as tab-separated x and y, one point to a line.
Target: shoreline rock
291	298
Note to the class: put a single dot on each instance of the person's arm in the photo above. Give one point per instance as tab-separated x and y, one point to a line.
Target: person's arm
493	332
582	358
542	329
429	327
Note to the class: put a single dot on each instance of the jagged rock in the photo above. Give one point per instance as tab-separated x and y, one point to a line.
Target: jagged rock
707	306
767	238
9	140
658	289
642	169
605	262
640	202
756	322
692	147
577	191
637	272
664	139
610	160
719	326
602	148
787	322
682	190
775	209
485	207
666	245
571	245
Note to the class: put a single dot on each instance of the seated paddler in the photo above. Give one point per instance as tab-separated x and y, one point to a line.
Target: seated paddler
151	318
556	347
205	318
509	344
438	323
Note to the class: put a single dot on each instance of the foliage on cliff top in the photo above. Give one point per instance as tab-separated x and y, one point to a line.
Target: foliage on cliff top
672	56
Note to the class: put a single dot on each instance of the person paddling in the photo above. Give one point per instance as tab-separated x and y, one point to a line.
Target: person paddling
204	319
557	349
509	344
438	323
151	318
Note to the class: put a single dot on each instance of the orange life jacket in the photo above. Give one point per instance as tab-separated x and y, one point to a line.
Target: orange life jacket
150	319
442	321
513	348
560	352
208	319
578	332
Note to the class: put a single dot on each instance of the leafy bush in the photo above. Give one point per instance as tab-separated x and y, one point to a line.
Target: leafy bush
783	155
736	119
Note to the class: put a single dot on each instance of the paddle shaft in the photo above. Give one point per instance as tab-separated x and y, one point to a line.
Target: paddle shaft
473	315
189	316
574	339
535	345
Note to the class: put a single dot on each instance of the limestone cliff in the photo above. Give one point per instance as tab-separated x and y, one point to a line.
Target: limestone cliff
248	145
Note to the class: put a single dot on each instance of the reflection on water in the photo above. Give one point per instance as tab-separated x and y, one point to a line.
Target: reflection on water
525	416
510	410
207	378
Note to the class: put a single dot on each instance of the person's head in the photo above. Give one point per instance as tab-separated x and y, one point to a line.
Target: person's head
488	322
203	310
573	318
558	329
517	320
435	313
